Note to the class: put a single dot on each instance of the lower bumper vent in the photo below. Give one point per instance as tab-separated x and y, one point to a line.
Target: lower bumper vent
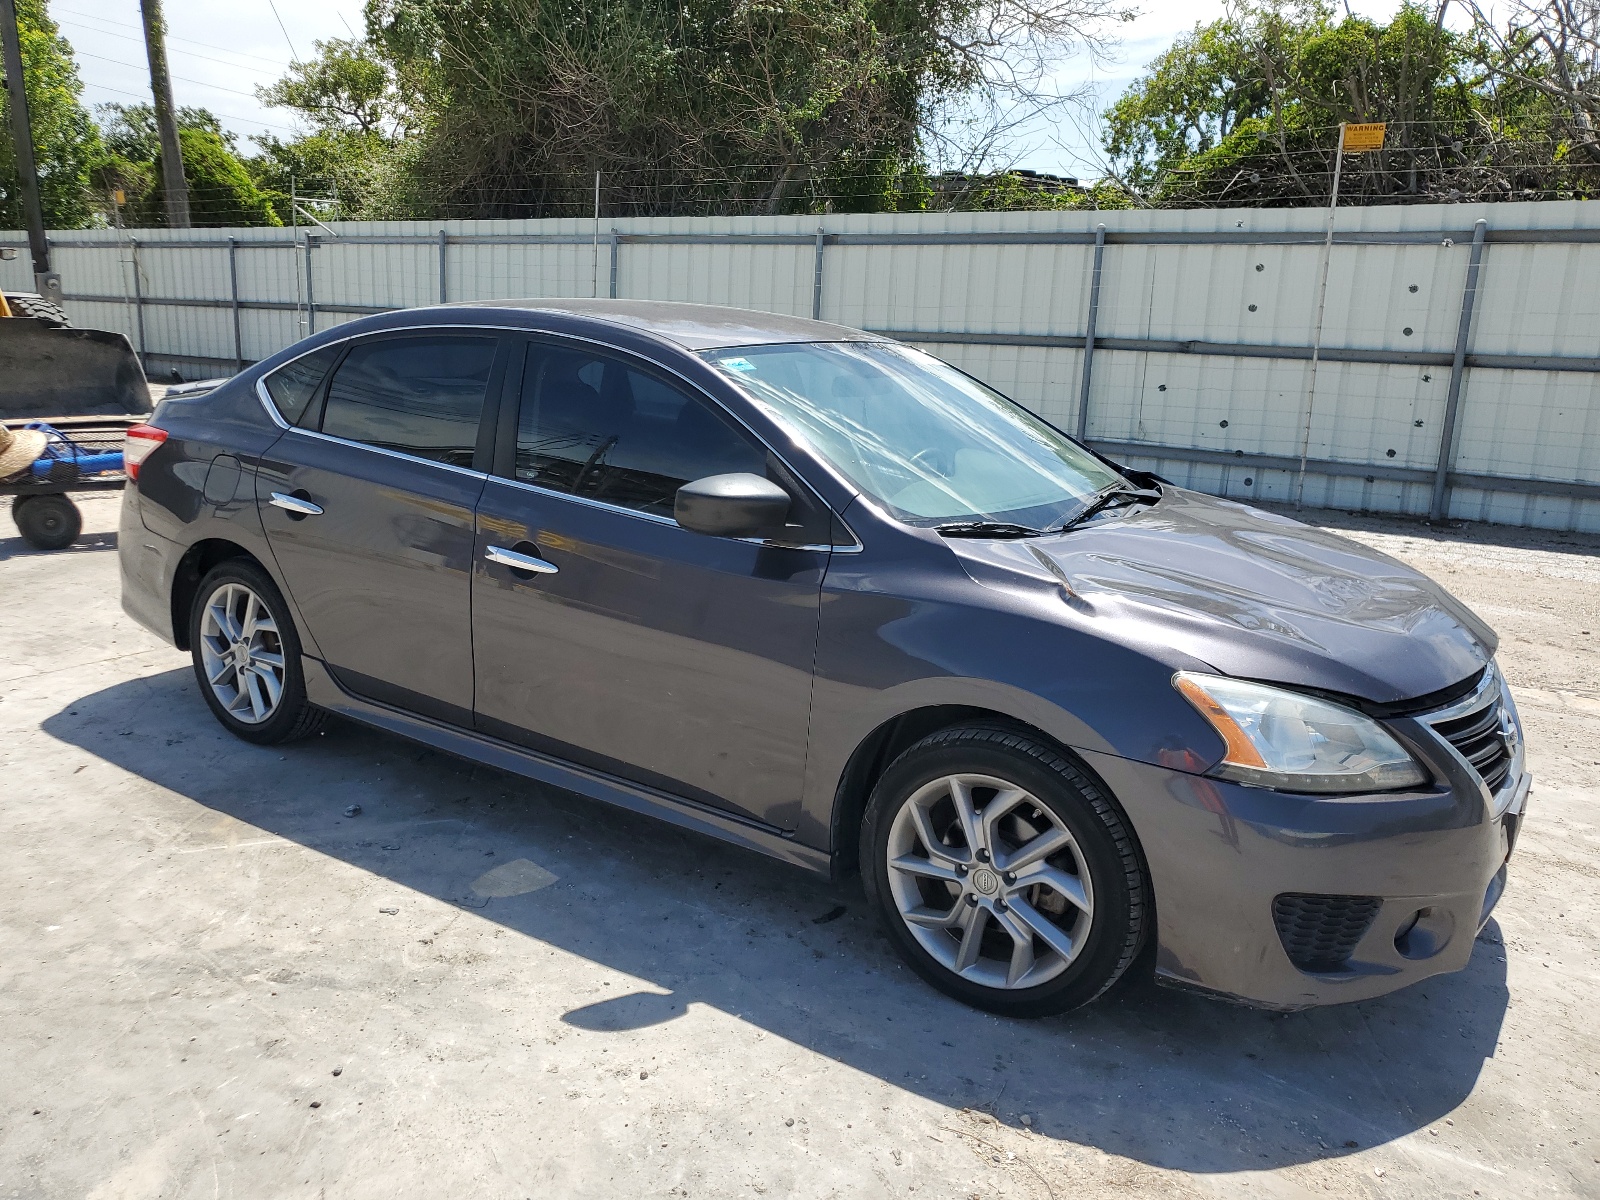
1320	933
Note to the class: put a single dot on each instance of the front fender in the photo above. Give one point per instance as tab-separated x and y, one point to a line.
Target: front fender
889	646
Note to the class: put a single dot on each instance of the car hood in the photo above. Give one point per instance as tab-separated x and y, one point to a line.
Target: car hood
1253	595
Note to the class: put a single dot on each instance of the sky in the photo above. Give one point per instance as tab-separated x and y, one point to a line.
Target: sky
218	51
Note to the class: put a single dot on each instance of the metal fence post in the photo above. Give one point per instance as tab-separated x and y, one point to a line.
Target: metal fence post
233	292
311	304
138	304
615	243
816	280
441	266
1452	403
1088	337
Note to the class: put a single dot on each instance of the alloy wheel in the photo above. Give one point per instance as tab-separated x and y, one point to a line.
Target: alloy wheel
241	653
989	881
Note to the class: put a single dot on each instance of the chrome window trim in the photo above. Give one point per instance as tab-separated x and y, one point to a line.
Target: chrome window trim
1493	686
854	547
658	519
400	454
266	399
272	409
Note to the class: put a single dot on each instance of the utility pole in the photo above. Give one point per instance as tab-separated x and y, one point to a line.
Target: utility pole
46	281
172	181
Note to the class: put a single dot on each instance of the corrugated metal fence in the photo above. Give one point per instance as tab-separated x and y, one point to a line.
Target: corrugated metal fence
1459	356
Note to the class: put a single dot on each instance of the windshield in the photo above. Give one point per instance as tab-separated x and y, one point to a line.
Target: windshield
927	442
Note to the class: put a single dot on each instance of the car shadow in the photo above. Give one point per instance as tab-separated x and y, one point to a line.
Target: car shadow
17	547
1162	1077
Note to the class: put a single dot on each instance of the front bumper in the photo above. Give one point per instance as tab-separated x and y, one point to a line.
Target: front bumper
1220	854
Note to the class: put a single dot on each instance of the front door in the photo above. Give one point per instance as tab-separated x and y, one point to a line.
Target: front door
666	657
369	507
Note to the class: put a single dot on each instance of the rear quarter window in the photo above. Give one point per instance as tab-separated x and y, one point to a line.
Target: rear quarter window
293	385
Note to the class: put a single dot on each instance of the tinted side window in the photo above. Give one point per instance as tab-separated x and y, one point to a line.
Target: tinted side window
417	395
293	385
594	426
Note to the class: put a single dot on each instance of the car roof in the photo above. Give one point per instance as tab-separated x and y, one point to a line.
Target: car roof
692	326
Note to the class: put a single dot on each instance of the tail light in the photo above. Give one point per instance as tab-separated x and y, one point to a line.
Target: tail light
140	444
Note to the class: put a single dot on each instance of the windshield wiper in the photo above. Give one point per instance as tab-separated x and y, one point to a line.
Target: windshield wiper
1104	500
985	529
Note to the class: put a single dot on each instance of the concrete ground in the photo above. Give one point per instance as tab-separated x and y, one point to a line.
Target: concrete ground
213	983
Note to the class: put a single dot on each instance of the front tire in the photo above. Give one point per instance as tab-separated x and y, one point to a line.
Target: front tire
1005	874
247	656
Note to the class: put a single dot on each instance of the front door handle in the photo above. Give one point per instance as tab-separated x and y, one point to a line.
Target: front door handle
294	504
520	562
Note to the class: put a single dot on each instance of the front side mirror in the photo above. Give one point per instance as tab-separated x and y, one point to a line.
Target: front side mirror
740	505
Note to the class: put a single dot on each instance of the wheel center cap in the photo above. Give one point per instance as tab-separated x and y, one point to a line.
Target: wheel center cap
241	655
985	881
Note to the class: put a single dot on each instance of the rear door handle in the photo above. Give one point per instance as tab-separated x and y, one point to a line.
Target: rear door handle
520	562
296	505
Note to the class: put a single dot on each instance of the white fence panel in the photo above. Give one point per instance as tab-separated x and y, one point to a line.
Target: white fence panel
1203	328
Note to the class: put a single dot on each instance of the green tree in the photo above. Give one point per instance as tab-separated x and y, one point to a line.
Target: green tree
509	107
1246	111
346	87
327	165
221	191
348	97
1199	91
130	129
65	141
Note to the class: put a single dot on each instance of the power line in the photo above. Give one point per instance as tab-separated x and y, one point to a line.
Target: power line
295	54
182	78
170	37
186	54
144	97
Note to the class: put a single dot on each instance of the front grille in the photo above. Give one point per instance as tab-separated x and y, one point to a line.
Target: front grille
1319	933
1480	737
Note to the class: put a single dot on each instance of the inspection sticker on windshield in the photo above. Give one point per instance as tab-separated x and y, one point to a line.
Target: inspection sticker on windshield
738	364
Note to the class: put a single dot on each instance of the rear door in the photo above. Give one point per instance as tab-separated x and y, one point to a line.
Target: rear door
368	506
643	650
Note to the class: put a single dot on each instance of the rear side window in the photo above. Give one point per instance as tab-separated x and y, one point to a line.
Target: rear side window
293	385
416	395
591	425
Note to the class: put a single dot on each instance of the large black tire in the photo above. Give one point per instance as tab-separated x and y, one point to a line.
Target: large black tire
1108	938
31	304
293	716
47	522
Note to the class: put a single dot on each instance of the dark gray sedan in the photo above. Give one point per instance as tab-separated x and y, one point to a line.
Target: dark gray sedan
817	593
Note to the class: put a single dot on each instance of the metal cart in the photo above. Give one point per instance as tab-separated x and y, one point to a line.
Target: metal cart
81	454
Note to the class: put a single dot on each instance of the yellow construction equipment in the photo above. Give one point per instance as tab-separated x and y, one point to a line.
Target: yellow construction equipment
50	369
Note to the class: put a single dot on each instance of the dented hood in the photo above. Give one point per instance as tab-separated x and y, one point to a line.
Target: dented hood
1253	595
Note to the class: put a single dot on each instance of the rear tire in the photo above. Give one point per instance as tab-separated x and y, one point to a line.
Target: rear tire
1032	903
247	656
47	522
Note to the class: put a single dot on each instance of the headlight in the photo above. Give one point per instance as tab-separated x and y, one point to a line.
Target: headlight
1281	739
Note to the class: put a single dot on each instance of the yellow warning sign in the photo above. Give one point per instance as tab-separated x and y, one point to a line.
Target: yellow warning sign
1358	138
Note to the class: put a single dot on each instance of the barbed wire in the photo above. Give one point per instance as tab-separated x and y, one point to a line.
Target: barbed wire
1292	177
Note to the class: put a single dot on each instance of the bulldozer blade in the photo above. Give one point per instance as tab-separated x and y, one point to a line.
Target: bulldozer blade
48	370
